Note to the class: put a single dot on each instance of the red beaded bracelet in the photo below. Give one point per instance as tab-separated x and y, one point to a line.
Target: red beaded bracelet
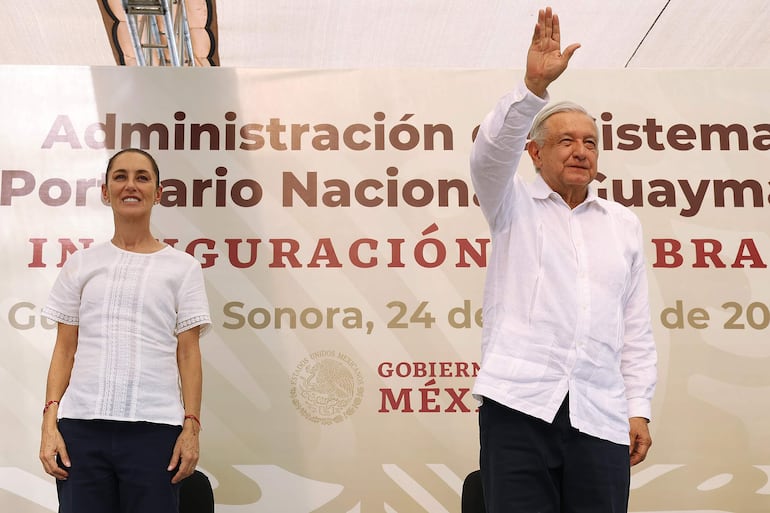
196	419
48	405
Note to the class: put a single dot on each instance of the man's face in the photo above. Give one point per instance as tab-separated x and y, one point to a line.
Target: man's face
568	157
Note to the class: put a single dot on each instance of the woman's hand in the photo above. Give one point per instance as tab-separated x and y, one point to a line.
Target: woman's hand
51	446
186	452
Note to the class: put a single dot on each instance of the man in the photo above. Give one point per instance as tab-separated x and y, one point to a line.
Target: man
568	364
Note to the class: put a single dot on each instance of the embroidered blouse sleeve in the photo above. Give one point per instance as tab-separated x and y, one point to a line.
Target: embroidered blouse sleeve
63	304
193	309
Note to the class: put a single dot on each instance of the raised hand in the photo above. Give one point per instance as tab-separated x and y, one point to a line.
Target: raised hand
545	59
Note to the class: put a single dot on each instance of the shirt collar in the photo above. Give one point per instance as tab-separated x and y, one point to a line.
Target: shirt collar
540	190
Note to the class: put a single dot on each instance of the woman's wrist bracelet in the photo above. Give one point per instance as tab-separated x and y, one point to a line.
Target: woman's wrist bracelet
196	419
48	404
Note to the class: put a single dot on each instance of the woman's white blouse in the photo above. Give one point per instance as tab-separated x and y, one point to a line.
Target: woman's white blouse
128	307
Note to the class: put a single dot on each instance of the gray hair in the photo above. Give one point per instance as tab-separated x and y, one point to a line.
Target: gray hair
537	132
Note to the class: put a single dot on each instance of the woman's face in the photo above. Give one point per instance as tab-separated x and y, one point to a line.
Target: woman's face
132	187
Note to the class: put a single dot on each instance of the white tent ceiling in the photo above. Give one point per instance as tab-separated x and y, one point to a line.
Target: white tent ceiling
420	33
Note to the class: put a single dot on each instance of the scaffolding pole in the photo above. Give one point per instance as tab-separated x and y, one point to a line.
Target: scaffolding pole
160	32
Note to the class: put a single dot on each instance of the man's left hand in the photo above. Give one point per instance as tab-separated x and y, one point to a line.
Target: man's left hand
641	441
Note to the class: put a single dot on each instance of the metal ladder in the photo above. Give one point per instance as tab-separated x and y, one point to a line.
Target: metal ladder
159	32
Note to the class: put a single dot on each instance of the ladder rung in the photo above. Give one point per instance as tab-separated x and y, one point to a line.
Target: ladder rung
138	3
157	11
145	7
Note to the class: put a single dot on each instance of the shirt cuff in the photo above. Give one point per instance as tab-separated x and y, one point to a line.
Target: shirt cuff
639	407
525	100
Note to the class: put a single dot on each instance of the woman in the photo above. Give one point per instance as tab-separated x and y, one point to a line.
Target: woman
121	417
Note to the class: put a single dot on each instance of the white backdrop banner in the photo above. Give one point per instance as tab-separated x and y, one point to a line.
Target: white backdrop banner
344	257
